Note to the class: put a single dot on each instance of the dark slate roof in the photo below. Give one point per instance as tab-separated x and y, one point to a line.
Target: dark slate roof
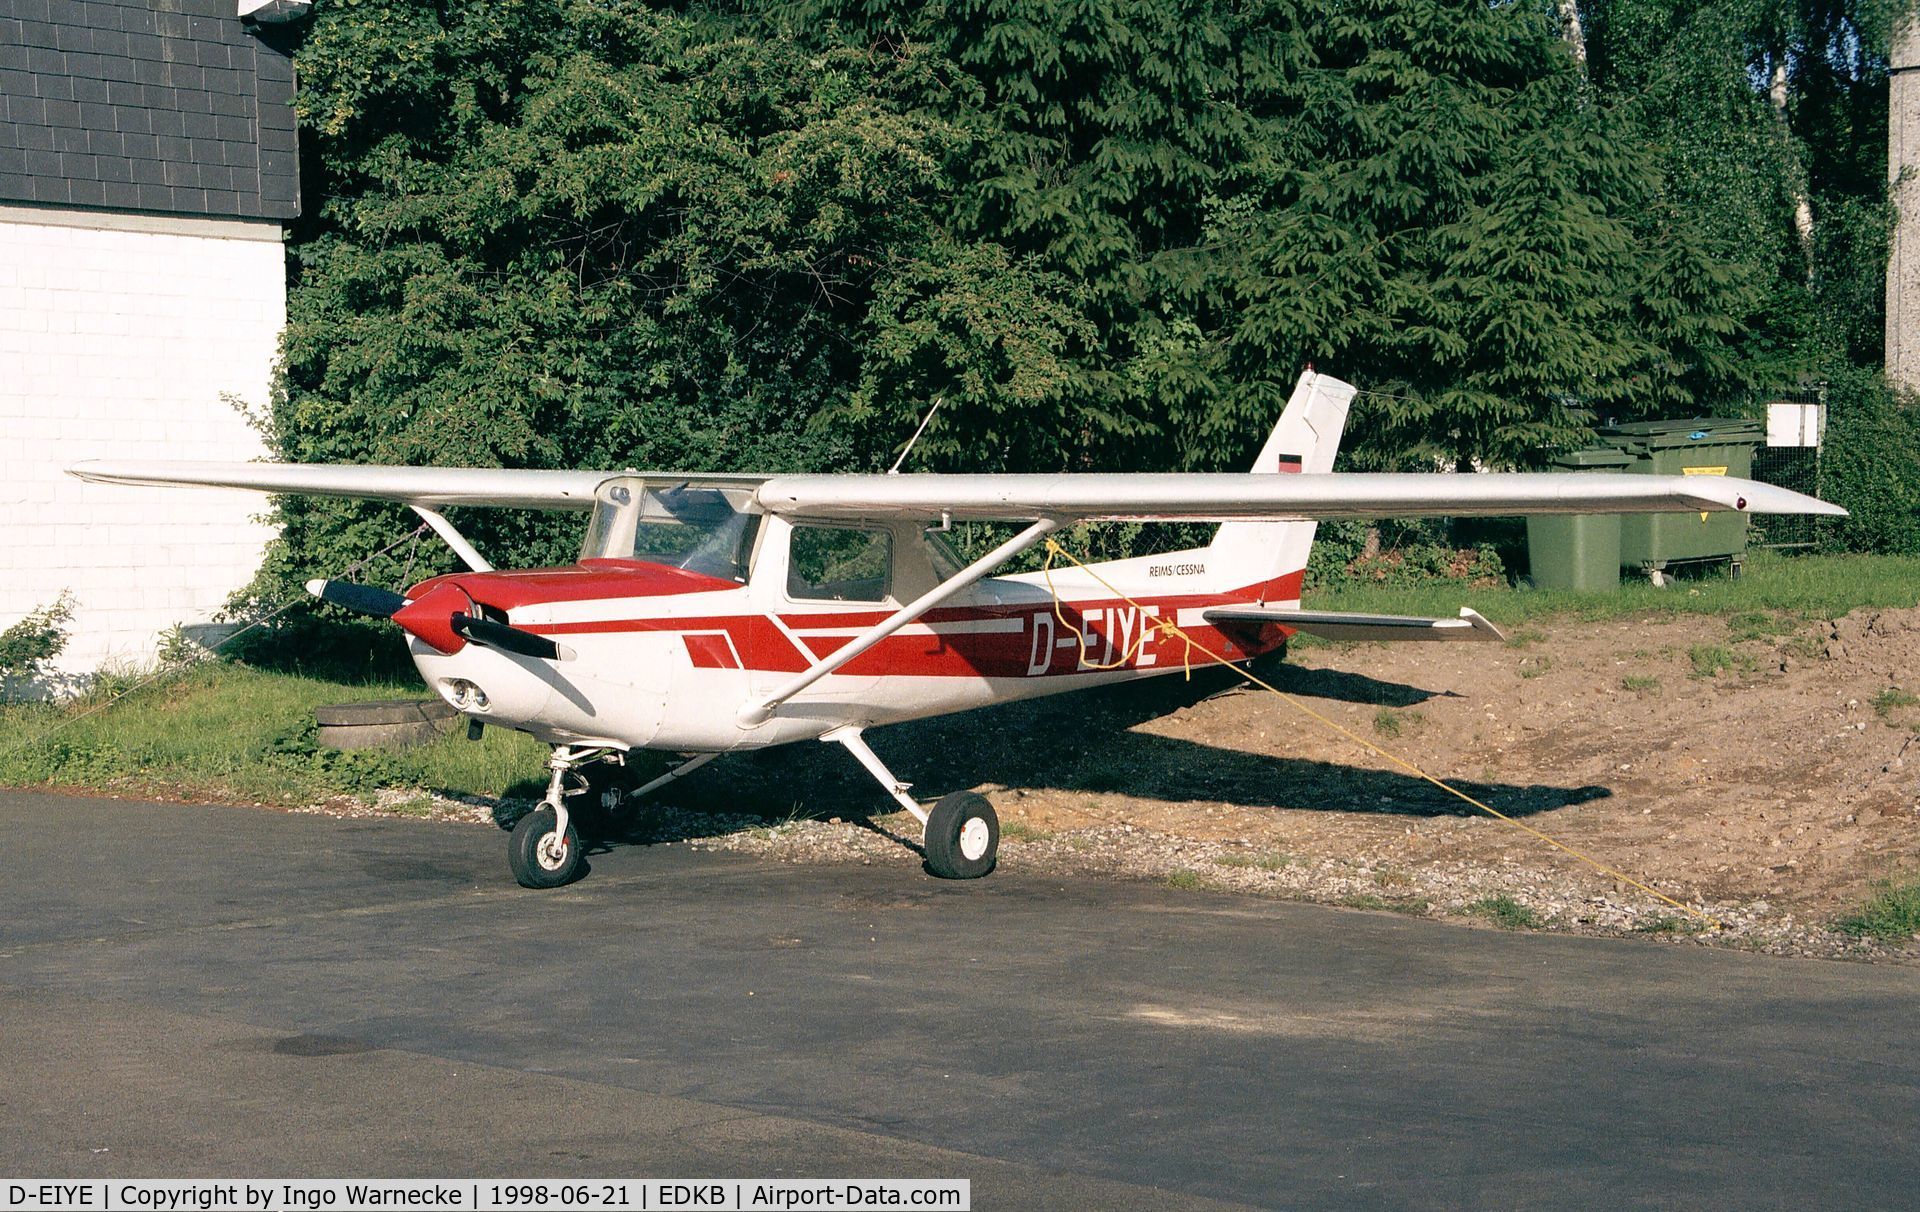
148	105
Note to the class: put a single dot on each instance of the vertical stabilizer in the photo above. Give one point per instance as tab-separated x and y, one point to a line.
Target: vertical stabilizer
1305	441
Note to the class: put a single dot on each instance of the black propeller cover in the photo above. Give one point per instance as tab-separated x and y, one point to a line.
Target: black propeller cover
363	599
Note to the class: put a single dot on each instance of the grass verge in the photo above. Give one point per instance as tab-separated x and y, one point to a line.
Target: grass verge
227	731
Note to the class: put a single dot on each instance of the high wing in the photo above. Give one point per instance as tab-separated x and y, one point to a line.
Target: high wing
1224	497
1071	497
429	486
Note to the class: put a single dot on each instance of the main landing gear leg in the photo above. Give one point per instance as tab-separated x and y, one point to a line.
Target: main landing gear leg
682	770
962	832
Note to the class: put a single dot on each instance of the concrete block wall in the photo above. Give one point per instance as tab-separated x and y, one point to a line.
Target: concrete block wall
121	337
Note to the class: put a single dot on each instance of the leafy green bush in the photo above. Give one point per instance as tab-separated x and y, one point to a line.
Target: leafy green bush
89	763
350	771
1108	235
27	646
1870	464
1409	554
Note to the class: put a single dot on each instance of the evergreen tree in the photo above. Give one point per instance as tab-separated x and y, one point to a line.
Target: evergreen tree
1105	233
599	235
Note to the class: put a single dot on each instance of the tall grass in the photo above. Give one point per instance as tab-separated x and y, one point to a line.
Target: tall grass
1892	913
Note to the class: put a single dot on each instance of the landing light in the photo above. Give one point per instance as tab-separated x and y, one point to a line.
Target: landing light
466	696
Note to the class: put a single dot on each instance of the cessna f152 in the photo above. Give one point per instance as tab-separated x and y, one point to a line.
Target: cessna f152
714	613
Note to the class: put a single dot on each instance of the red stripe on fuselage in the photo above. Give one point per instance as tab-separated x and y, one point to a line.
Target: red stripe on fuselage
1044	644
758	640
710	651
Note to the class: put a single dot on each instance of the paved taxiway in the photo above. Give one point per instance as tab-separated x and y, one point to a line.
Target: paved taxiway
215	991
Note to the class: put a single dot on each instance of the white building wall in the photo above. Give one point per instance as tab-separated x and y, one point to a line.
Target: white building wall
121	337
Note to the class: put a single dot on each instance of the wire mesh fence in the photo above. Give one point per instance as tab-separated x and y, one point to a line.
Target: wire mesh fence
1791	466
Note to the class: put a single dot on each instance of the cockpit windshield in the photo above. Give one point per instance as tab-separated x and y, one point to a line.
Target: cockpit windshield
703	528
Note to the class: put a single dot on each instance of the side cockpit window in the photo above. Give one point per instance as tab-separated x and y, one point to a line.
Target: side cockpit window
839	564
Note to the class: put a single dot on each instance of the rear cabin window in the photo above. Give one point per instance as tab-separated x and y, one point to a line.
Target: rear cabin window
840	564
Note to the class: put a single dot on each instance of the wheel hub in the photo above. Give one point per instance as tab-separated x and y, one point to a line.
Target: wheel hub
552	852
973	838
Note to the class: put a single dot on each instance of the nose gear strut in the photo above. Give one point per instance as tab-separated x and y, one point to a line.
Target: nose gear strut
545	850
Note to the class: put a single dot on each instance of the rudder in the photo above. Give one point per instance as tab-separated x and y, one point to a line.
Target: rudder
1268	554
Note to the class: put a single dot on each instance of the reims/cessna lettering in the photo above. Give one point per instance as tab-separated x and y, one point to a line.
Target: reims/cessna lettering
715	613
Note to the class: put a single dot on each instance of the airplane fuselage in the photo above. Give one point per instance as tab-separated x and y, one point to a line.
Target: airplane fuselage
665	658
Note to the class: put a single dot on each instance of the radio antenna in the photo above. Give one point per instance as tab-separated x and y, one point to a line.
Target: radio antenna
895	469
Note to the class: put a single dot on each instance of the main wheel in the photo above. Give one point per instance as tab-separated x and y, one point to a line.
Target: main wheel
539	855
963	836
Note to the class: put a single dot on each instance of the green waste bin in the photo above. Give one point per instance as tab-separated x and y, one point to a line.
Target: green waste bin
1703	446
1577	550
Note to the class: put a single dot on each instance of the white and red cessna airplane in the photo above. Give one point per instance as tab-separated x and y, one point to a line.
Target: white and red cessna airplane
715	613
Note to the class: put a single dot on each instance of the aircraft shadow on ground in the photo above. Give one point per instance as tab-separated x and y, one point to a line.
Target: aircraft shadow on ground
1077	742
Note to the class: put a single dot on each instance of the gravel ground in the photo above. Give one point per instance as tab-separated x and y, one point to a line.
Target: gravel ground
1464	892
1507	894
1760	771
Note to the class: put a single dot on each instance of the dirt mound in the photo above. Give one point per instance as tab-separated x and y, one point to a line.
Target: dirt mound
1886	641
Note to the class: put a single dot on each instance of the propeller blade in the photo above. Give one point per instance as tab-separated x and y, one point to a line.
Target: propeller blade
509	639
365	599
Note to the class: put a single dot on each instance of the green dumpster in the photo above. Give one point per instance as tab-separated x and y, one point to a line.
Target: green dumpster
1577	550
1713	446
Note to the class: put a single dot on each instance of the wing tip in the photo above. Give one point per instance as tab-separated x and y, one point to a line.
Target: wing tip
1482	625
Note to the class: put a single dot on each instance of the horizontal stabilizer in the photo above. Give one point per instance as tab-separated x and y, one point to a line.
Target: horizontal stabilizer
1339	625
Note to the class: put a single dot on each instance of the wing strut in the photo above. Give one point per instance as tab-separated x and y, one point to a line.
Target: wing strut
454	539
759	713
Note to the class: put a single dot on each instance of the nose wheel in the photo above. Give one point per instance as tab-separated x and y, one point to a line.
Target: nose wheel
591	790
542	852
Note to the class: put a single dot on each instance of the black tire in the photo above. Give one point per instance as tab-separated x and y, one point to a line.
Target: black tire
953	841
532	866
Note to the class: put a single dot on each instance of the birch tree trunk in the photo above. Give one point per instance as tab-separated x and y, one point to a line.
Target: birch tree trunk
1572	31
1802	205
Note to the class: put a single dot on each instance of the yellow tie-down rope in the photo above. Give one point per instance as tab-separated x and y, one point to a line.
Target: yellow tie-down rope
1172	629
